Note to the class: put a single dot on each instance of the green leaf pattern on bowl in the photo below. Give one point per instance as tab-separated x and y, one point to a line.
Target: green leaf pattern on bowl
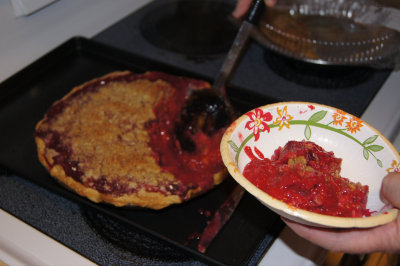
369	149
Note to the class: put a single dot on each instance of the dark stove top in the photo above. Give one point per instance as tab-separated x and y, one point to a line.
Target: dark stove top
194	28
260	71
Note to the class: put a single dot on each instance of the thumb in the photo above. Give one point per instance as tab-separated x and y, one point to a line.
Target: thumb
390	190
270	2
241	8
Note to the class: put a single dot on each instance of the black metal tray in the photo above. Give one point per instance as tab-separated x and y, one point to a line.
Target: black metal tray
26	96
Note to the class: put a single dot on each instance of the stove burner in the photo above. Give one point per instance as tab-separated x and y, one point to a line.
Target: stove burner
130	239
190	27
314	75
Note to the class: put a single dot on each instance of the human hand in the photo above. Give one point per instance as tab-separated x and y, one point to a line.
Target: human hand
243	5
384	238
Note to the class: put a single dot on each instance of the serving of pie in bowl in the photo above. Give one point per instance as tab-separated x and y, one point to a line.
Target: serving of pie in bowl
312	163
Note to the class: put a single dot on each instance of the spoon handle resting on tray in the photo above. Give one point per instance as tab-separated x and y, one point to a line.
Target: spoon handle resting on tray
221	216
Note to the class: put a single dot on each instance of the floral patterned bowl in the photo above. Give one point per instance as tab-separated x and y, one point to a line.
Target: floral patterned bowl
367	155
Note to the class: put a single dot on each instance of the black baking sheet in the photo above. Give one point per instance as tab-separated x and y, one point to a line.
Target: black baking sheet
26	96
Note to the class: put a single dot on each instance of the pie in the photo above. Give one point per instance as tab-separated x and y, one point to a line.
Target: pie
113	139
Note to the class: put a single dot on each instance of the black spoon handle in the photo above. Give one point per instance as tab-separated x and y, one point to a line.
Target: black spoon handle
238	46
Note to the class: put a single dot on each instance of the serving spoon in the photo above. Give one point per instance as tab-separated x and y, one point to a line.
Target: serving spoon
209	110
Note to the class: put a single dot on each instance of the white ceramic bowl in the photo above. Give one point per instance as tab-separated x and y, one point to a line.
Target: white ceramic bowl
367	155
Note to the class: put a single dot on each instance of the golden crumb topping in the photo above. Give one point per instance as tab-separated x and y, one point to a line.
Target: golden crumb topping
106	131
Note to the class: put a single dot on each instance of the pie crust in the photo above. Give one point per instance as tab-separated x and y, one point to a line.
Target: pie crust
99	139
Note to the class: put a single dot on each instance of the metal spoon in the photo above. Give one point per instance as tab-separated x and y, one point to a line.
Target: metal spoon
209	110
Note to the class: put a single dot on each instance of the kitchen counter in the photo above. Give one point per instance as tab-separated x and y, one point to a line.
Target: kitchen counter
25	39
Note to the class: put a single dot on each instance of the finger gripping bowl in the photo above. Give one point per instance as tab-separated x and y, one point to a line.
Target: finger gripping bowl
367	156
